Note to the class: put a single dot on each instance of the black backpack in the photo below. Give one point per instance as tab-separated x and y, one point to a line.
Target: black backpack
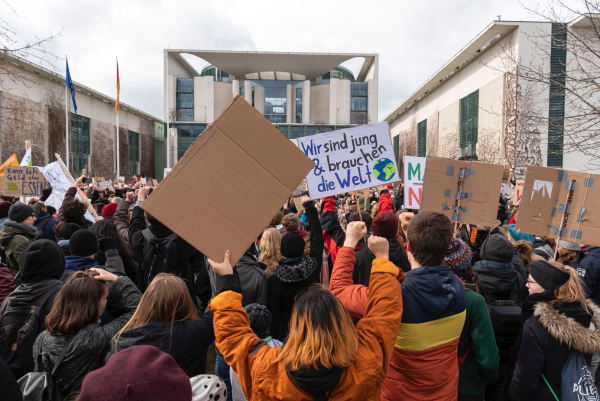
506	320
159	256
19	327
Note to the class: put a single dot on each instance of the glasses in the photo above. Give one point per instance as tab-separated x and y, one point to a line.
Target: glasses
531	282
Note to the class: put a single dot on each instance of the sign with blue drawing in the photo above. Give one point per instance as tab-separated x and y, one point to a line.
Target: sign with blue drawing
466	192
349	159
558	203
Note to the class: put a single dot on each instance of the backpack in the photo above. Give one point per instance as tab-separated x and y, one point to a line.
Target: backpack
506	320
159	255
576	381
19	327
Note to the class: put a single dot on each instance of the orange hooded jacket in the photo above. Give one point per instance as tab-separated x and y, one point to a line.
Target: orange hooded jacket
263	378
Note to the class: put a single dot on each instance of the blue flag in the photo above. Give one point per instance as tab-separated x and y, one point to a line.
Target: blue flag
69	84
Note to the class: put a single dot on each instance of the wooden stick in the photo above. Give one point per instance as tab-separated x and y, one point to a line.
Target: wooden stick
565	217
86	201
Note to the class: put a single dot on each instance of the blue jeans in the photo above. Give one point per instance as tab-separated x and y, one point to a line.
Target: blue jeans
222	370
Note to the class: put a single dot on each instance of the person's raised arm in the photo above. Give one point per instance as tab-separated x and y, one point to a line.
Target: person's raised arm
138	221
377	330
233	335
330	222
121	218
354	297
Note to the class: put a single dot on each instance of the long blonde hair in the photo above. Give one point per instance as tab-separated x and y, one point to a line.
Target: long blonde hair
167	299
270	250
572	290
321	333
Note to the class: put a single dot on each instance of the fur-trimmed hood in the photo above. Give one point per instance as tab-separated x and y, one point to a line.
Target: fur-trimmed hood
567	330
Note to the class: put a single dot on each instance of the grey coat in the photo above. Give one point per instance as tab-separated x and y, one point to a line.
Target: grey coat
89	346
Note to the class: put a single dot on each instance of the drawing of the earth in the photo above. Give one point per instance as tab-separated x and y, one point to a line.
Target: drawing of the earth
384	169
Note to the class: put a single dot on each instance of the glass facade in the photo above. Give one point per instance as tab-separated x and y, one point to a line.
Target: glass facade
218	74
186	134
298	105
185	99
359	102
79	145
133	152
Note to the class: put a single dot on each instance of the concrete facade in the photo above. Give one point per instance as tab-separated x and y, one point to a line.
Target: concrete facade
512	127
32	107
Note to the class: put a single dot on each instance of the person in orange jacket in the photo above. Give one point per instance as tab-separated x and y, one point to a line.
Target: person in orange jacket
325	356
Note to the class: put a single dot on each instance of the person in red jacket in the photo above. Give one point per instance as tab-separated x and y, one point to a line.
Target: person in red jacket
385	202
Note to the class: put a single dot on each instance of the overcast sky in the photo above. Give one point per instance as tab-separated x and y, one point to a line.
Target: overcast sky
413	38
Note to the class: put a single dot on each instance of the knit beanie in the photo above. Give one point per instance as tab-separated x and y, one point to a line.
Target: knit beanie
69	229
292	245
459	254
498	248
389	186
138	373
38	208
109	210
260	319
570	246
385	225
19	212
548	276
83	243
208	388
42	260
4	207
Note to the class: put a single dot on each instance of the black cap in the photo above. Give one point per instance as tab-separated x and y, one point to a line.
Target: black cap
18	212
83	243
42	260
497	247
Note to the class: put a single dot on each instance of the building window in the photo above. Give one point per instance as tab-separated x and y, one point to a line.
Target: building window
556	106
359	104
186	135
134	152
79	145
422	138
397	148
275	100
469	113
185	99
299	105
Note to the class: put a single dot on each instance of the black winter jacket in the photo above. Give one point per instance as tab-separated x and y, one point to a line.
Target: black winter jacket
548	339
186	341
253	280
293	276
89	346
364	260
589	268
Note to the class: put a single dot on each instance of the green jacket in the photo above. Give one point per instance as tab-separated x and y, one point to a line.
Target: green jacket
480	367
15	239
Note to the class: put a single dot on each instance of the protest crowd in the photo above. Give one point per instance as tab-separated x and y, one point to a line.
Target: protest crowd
346	298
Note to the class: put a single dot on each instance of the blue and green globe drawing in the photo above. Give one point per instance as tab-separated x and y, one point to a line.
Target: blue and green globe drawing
384	169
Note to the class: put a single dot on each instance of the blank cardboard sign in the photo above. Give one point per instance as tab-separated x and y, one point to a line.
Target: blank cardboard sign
230	183
478	203
545	202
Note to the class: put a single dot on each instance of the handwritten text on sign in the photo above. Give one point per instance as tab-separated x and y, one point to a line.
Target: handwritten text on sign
24	181
349	159
414	170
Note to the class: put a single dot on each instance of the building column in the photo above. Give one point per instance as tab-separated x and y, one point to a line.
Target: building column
289	110
306	102
259	99
235	87
248	91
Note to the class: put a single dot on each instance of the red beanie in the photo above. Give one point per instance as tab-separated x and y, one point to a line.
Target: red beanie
385	225
139	373
390	186
109	210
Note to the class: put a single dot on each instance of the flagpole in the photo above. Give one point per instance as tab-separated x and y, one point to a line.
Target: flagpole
118	153
67	158
117	118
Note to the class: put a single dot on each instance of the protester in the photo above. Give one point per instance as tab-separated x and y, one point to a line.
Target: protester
568	254
167	318
157	249
68	230
84	246
325	356
73	328
140	373
559	327
270	250
385	202
4	207
106	229
477	351
524	250
384	225
121	216
22	314
589	266
71	210
16	235
296	271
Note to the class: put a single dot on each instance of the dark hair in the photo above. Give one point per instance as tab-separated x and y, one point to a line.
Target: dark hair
76	304
429	235
366	218
72	211
106	228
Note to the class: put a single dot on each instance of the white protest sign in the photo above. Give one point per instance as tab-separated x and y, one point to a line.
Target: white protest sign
414	171
349	159
55	175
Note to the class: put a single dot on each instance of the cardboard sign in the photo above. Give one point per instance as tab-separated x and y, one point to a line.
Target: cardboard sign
466	192
60	183
23	181
518	192
414	171
154	182
560	203
230	183
105	184
349	159
362	193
